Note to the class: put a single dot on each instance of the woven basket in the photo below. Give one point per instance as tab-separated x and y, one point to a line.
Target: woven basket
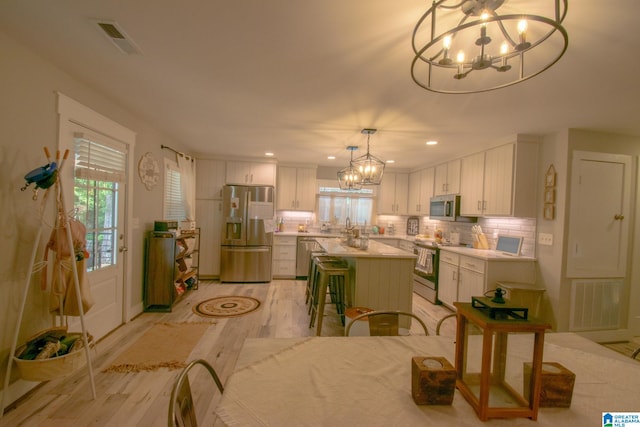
54	367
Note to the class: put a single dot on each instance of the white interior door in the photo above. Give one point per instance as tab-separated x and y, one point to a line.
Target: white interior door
599	219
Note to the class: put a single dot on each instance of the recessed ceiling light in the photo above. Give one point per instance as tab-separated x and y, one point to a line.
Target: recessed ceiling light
390	161
432	142
331	157
268	154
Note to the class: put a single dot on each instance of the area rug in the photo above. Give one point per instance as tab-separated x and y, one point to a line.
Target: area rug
164	345
227	306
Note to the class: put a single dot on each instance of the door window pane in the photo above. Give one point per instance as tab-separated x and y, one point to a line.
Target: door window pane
96	207
99	170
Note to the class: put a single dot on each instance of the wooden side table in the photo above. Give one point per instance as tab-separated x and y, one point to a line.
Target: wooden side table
493	385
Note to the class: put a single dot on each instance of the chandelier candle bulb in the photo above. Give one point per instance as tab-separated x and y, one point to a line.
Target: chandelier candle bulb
522	27
446	45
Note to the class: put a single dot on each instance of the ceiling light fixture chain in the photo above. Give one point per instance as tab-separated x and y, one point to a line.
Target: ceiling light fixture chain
518	39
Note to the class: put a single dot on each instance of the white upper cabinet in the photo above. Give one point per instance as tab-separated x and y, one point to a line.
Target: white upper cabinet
498	180
251	173
392	193
447	178
296	188
501	181
420	191
472	185
210	178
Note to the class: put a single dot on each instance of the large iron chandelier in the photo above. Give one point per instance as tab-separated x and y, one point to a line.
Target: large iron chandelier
349	178
370	167
457	39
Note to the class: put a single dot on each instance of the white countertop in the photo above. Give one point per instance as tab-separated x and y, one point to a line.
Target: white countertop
484	253
335	247
336	234
306	234
377	251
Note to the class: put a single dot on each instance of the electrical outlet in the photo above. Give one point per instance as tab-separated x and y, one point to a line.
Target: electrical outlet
545	239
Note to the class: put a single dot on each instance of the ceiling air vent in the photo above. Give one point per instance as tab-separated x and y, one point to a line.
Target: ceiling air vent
118	37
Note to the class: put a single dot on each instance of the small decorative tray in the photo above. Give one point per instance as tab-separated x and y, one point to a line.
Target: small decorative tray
413	226
499	311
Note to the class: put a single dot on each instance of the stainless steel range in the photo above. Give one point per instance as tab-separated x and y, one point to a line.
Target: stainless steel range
425	273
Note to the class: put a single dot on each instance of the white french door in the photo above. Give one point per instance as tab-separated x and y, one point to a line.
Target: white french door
95	178
99	203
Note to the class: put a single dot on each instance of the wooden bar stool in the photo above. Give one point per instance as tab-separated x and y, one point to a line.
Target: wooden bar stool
312	279
311	276
334	275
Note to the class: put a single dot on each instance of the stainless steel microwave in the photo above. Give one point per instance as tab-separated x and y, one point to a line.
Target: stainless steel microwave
447	208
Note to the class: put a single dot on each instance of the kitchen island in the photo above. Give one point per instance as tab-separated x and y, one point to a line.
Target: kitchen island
381	276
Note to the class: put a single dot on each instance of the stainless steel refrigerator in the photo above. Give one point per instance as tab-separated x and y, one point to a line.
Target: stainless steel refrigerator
247	236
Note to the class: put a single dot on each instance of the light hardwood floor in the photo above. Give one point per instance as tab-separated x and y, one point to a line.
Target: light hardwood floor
142	399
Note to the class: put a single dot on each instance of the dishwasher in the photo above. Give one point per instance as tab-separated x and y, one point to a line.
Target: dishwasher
306	245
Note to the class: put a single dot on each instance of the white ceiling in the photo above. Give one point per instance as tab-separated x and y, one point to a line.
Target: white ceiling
302	78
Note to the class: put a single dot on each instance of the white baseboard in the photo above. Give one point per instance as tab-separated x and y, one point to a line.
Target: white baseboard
16	390
616	335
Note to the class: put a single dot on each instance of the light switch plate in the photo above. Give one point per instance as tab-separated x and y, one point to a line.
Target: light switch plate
545	239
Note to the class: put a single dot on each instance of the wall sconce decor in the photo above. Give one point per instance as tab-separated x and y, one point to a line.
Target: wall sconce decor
549	193
148	171
490	366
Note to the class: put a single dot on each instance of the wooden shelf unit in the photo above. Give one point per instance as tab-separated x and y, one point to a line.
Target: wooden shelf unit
171	268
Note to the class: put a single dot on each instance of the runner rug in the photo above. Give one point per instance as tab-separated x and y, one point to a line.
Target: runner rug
227	306
164	345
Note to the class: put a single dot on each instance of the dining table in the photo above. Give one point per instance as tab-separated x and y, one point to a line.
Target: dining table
366	381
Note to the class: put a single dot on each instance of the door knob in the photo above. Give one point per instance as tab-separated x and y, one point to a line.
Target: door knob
123	249
618	217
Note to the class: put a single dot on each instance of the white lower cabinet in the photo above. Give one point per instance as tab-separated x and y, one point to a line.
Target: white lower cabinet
470	278
448	278
284	257
461	277
406	245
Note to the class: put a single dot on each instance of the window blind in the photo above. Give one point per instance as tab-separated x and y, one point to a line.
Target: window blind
173	205
97	161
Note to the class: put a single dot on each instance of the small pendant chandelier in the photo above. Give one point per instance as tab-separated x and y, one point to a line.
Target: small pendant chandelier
349	178
369	167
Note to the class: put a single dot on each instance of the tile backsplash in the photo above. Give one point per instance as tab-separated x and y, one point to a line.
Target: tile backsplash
492	227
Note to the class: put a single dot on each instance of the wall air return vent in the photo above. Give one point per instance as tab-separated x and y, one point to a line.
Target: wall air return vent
112	31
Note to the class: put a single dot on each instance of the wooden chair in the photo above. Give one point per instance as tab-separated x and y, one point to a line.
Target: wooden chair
181	408
635	353
384	322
